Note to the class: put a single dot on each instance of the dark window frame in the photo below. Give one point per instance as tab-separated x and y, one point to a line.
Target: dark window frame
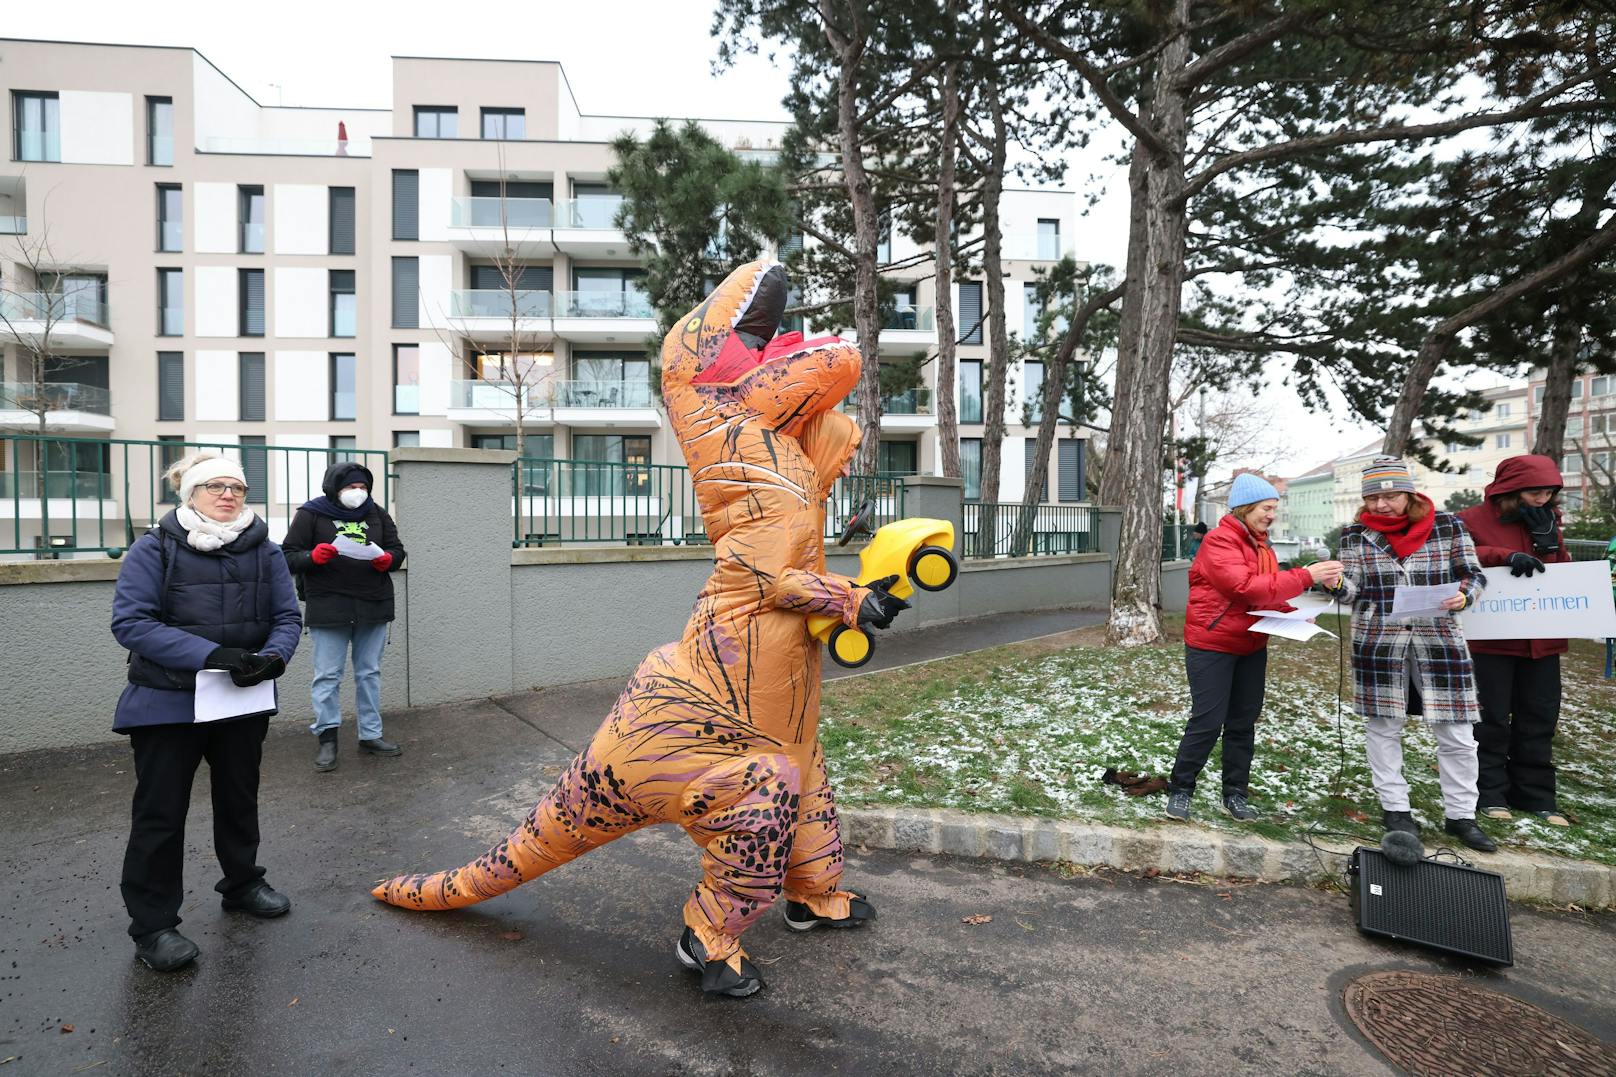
165	297
245	193
334	240
504	115
411	316
406	228
168	362
242	308
251	362
417	349
333	291
18	103
151	131
436	112
254	449
164	189
331	386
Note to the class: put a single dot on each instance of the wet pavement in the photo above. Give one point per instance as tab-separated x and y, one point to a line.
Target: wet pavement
575	974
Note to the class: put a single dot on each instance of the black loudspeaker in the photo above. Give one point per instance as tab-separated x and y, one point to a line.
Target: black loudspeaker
1448	907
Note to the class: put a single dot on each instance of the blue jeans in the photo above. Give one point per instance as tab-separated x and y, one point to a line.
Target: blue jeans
330	656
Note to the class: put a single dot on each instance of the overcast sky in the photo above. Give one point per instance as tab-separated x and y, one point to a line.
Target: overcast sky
625	57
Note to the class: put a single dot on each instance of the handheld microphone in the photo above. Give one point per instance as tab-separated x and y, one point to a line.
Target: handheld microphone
1402	848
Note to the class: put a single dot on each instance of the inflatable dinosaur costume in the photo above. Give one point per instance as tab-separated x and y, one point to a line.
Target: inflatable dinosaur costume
718	732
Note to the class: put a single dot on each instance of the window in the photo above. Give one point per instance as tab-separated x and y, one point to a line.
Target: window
255	466
905	309
1571	500
159	130
344	449
341	220
883	237
896	458
1071	467
506	123
1599	386
406	379
1032	389
36	126
344	309
170	387
1573	464
1040	483
250	386
406	439
437	121
610	380
406	204
1597	424
970	312
251	203
344	387
406	283
1502	411
606	452
970	391
170	218
250	291
170	302
606	293
173	447
1032	310
1573	427
1049	245
1500	441
971	467
1576	389
1452	447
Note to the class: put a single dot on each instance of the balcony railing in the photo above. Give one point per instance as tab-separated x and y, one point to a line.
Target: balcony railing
1035	246
911	319
490	212
288	147
56	396
604	394
916	401
595	211
542	394
53	306
602	305
13	226
497	302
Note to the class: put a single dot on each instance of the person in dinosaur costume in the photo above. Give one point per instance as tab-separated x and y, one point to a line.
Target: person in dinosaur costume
718	732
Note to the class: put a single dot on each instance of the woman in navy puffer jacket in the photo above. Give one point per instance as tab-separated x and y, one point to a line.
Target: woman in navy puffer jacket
205	589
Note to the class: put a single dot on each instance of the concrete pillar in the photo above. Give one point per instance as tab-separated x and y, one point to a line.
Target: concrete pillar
937	498
454	515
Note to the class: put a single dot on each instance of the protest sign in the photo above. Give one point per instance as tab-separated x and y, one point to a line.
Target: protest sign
1569	600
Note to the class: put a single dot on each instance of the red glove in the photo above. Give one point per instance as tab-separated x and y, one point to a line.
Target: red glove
323	554
382	563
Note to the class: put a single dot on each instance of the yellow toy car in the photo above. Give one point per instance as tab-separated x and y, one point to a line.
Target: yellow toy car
919	552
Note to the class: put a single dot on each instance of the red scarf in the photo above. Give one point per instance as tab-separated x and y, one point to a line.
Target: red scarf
1405	536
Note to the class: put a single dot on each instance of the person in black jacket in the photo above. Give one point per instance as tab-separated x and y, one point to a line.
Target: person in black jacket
342	547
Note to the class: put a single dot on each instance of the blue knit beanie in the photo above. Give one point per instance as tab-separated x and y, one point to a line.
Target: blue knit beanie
1248	489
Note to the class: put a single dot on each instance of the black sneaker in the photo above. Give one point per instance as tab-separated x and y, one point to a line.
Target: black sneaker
717	978
1236	806
1400	820
326	757
800	917
1472	835
261	900
380	746
1178	805
165	950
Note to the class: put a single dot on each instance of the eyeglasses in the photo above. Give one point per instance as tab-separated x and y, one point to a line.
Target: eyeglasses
1376	499
219	489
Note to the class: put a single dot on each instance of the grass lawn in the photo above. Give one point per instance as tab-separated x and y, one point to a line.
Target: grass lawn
1029	729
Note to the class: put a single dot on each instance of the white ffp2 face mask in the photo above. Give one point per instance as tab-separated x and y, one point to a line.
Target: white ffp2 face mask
354	498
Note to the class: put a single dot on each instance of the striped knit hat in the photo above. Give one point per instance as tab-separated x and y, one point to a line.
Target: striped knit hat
1387	475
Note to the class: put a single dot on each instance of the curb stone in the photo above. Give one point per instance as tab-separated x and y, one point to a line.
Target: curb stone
1186	848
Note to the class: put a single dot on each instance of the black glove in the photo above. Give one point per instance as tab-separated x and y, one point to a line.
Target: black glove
228	658
879	607
1524	564
1540	522
256	668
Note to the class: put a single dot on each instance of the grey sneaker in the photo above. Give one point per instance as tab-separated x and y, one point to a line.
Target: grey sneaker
1178	805
1236	806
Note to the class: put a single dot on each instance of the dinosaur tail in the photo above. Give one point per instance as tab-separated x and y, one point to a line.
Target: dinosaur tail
557	830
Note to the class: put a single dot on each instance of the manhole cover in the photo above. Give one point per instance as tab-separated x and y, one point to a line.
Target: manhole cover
1433	1025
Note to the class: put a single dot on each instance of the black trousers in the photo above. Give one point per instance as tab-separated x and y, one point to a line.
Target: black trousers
166	758
1520	707
1226	695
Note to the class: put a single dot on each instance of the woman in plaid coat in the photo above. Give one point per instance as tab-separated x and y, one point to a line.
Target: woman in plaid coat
1419	667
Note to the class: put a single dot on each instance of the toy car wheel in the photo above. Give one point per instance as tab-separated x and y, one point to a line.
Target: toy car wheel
850	647
933	568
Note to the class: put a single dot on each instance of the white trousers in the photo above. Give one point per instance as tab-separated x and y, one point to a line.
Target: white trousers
1456	765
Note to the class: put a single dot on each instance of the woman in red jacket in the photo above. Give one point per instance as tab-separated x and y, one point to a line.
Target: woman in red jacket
1235	571
1518	680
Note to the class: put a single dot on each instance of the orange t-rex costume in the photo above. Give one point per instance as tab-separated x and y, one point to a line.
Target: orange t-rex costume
719	731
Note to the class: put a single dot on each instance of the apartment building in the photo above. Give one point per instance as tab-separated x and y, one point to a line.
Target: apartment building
313	280
1589	463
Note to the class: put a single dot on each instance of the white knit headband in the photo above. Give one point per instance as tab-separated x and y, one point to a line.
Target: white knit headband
216	467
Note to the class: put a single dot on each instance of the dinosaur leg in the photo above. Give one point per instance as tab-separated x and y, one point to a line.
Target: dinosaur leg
814	874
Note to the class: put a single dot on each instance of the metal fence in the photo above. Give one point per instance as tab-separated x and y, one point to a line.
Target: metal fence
70	496
1586	549
1011	530
1184	533
560	501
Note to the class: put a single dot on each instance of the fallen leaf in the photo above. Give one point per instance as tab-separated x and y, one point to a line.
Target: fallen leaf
1226	896
979	918
1151	873
511	936
66	1029
294	1001
391	1031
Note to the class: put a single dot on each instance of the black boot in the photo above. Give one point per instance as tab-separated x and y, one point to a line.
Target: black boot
166	950
1472	835
260	899
1400	820
717	977
380	746
800	917
326	757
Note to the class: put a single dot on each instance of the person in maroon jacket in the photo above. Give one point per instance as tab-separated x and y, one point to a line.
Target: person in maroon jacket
1235	571
1518	680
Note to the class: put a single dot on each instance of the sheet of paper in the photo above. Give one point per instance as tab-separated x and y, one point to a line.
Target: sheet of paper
218	697
1290	629
359	551
1410	601
1307	606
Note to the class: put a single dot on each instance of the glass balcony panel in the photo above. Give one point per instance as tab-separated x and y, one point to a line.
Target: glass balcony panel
162	150
23	481
56	396
13	226
496	303
252	237
56	306
487	212
911	319
604	394
592	211
407	399
604	303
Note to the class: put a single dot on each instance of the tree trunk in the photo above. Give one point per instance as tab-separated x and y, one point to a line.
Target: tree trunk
1136	587
1562	368
947	338
1111	489
998	333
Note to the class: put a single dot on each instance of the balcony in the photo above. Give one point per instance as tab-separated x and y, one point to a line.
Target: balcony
71	321
13	225
605	317
909	410
586	227
287	147
69	407
1035	247
614	405
485	314
906	330
488	226
484	402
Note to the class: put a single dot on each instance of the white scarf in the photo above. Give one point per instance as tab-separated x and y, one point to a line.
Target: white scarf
205	534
